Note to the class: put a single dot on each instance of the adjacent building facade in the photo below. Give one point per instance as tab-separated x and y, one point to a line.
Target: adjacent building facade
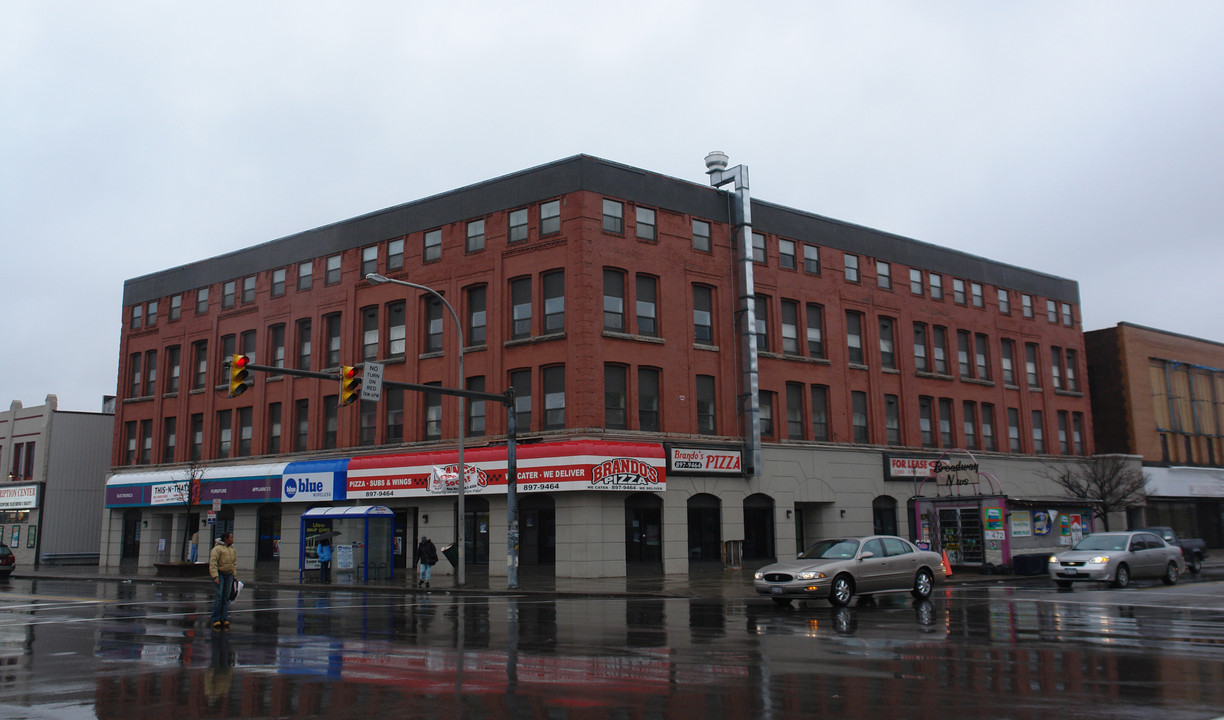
56	463
1160	395
606	297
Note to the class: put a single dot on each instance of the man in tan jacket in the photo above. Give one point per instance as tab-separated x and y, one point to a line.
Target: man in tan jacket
221	564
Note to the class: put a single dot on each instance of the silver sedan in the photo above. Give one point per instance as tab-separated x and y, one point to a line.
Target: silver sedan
837	568
1116	557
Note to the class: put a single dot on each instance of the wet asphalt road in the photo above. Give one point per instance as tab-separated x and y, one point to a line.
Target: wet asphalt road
98	649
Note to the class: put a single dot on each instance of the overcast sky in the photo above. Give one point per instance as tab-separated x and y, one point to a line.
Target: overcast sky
1080	139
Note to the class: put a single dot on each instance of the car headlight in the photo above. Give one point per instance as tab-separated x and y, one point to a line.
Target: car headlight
1100	560
759	575
810	575
1053	558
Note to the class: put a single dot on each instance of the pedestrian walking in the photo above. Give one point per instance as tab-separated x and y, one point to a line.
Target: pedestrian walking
324	551
195	546
427	556
222	562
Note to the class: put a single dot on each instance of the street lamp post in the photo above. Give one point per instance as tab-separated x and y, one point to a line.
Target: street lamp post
459	530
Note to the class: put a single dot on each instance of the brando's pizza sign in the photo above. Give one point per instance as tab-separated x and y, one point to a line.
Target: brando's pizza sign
706	461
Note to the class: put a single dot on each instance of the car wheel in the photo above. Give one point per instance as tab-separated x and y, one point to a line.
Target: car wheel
1065	584
1195	563
1121	576
1170	576
782	601
842	590
923	584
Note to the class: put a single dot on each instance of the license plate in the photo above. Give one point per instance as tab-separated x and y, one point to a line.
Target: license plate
776	590
1071	572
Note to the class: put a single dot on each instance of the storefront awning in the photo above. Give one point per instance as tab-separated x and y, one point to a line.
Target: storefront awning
228	483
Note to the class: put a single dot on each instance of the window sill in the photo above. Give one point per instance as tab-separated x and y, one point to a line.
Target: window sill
636	338
1069	393
533	340
805	359
934	376
976	381
708	348
857	366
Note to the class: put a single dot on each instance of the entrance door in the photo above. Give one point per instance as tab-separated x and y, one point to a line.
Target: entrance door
475	530
643	530
537	530
130	551
268	547
758	528
704	528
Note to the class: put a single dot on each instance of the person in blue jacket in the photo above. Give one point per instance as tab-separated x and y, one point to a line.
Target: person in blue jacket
324	550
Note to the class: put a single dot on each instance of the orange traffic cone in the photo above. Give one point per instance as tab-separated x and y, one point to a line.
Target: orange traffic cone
947	565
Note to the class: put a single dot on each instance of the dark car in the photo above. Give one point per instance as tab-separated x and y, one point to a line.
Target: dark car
8	561
1193	550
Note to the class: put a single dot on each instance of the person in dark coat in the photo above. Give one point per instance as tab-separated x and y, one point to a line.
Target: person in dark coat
324	550
427	556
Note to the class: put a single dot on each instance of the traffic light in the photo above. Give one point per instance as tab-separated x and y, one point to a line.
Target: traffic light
238	374
350	385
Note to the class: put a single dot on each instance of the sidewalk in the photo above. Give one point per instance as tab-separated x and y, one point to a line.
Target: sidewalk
707	581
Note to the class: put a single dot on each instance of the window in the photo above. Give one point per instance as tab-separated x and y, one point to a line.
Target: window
703	315
276	345
520	380
920	349
433	324
958	291
915	281
979	300
278	281
518	225
151	314
645	225
701	235
225	431
137	313
274	427
476	408
301	425
554	301
367	423
394	400
248	289
1013	430
939	349
1026	305
758	248
1077	432
854	337
432	249
982	356
331	407
892	420
202	301
397	331
197	437
969	421
647	306
333	270
935	283
1056	367
520	304
614	397
1030	366
820	412
303	344
648	399
1067	318
790	327
852	268
129	454
883	275
477	318
794	411
146	443
1038	433
888	358
475	236
1072	375
613	217
173	369
706	424
176	307
199	364
1064	440
988	434
811	259
786	254
305	275
613	300
135	375
169	439
858	409
815	330
765	400
150	385
553	379
1051	311
229	291
761	314
945	423
1004	301
369	260
369	333
925	426
395	254
433	414
245	429
1008	359
331	325
550	217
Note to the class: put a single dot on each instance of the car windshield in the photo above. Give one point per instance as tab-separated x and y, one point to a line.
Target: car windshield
1102	542
831	549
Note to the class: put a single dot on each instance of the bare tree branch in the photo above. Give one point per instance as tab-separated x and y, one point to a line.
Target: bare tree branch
1114	481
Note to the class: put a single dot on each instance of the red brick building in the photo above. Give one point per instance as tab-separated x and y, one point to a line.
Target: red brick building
606	297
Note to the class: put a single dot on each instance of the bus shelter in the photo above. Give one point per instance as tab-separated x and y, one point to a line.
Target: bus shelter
361	538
